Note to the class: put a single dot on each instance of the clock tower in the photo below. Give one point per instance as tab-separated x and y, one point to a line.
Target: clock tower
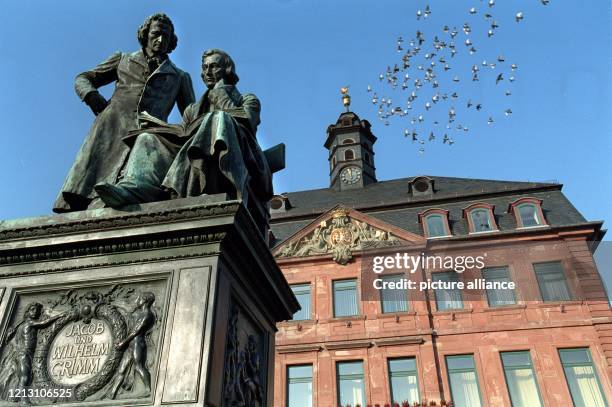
351	156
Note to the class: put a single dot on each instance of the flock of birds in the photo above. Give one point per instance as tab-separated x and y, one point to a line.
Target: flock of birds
427	77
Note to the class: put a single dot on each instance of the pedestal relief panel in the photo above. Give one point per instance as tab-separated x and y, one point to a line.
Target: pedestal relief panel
244	382
82	344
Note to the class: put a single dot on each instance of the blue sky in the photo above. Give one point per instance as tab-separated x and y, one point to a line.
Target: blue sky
295	55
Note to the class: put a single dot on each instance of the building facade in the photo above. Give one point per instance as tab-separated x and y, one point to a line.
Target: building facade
546	340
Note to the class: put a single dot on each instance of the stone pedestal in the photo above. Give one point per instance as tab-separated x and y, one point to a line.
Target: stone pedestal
169	303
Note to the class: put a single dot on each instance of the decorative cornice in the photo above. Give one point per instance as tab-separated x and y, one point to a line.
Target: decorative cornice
348	344
138	218
298	348
12	273
85	248
402	340
352	344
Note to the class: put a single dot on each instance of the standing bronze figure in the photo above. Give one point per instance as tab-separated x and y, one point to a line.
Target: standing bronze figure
16	367
145	80
134	362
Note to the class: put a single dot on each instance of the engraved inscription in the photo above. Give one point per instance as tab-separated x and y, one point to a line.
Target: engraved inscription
79	351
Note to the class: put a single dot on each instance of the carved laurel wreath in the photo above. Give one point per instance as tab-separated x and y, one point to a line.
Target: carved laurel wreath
115	320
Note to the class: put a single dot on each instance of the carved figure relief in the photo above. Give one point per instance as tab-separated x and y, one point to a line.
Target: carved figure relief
340	236
135	358
242	386
86	343
17	362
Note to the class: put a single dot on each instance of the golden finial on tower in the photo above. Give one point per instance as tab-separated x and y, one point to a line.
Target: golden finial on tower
346	98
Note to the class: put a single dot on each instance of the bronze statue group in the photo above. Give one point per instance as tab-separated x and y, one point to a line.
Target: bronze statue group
132	156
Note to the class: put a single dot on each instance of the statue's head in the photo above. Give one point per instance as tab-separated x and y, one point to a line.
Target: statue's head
145	298
34	310
217	65
156	35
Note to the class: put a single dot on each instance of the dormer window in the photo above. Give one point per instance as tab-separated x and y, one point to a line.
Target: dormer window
527	212
480	218
435	223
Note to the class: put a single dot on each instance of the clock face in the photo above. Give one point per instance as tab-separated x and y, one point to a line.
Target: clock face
351	175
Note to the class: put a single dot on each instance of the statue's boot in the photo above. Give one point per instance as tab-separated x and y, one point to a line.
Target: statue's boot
147	165
115	196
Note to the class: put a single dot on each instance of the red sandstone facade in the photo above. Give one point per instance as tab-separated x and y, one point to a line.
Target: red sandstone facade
542	328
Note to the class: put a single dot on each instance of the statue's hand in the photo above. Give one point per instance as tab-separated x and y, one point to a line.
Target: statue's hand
221	98
96	102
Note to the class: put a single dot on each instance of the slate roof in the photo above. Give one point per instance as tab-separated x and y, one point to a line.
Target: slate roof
391	202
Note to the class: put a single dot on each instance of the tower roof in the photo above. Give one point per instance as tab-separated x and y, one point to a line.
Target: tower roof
348	122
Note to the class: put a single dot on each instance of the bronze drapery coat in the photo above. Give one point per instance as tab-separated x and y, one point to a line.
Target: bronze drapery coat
103	153
222	146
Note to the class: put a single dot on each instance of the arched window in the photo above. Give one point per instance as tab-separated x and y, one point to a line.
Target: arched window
348	141
435	223
349	155
435	226
529	215
480	218
527	212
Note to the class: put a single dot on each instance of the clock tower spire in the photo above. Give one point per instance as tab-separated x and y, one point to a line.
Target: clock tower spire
350	144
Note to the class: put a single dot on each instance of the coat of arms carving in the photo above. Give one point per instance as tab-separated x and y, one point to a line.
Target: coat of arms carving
339	236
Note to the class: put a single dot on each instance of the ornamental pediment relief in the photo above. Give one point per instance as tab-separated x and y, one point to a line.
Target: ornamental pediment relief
340	232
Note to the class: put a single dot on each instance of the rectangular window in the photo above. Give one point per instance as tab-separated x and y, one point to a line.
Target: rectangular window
351	387
345	298
302	293
521	380
463	381
581	377
393	300
403	380
551	280
498	297
447	298
299	386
